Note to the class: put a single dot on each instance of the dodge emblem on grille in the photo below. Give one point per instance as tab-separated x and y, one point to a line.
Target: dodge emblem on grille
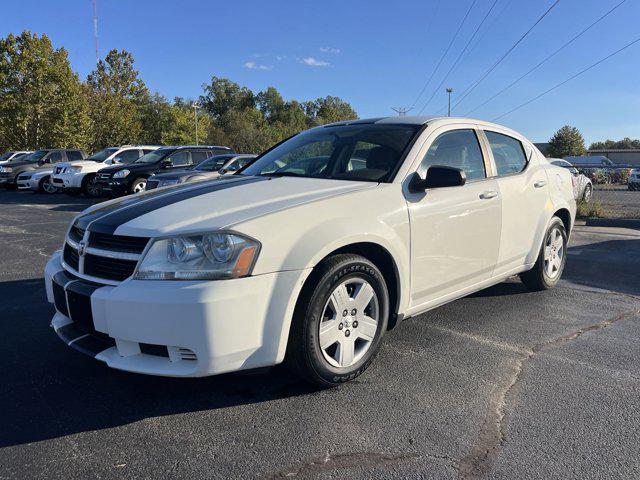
82	246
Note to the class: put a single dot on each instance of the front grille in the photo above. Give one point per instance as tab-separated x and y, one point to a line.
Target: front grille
70	256
108	268
76	234
104	176
57	180
118	243
151	184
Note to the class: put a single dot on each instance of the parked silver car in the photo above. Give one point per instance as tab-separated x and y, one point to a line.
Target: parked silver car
582	186
634	179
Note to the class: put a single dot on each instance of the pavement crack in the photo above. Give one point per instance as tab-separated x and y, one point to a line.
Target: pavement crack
483	455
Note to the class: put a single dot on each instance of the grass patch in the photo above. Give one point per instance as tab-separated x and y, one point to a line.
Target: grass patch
589	209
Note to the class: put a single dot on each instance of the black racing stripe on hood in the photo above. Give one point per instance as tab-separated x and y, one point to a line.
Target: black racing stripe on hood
111	220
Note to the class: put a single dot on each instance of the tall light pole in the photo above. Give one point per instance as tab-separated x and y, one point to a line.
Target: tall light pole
95	29
449	91
195	118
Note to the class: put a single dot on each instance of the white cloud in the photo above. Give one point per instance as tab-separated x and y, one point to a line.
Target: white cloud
329	50
256	66
313	62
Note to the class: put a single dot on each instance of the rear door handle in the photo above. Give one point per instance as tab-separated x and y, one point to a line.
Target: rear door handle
488	194
540	183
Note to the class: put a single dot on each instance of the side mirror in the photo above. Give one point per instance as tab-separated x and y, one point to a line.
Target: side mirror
41	162
223	171
166	163
437	176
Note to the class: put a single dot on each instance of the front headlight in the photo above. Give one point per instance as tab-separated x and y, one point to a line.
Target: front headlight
165	183
121	173
75	168
209	256
6	169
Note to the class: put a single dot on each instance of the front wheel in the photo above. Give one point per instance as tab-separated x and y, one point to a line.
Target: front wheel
339	321
46	186
548	268
139	185
90	186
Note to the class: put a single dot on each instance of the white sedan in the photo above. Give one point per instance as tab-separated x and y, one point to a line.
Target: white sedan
311	253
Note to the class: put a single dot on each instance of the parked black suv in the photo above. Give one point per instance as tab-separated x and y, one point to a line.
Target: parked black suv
132	178
38	160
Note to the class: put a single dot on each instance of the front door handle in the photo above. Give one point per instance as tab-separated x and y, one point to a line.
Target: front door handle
540	183
488	194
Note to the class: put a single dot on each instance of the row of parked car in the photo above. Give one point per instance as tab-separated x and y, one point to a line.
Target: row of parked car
116	171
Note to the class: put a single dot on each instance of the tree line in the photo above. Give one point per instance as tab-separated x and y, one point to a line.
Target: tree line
568	141
44	103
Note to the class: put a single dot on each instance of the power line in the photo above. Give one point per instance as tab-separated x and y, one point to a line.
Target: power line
567	80
547	58
444	55
437	89
473	86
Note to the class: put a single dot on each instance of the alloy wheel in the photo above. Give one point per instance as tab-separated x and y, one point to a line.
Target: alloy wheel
349	322
553	253
49	187
139	187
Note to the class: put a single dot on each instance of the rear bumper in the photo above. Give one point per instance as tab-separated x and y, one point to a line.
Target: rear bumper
181	329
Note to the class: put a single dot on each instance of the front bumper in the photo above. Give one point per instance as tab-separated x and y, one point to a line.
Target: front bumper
181	329
118	186
7	179
72	181
27	184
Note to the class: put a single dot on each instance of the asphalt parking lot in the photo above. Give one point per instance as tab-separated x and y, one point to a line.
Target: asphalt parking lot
503	384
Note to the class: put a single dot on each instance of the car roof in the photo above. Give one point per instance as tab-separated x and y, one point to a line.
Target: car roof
416	120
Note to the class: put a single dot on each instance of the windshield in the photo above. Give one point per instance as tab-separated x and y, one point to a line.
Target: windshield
155	156
35	156
102	155
365	152
213	164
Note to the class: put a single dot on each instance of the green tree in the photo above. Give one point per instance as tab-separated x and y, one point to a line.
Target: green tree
117	98
42	101
328	110
566	141
222	95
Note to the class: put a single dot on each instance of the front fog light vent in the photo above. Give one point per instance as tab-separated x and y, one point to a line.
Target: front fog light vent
186	354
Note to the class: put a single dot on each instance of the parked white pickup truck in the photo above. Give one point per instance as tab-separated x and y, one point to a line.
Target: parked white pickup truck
312	252
79	177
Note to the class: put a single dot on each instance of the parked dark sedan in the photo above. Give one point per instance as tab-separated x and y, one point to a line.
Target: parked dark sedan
132	178
211	168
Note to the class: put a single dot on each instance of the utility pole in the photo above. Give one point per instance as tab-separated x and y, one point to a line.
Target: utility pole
195	118
401	111
449	91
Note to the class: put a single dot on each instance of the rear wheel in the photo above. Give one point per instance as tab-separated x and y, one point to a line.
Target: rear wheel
90	186
339	321
548	268
139	185
588	192
45	185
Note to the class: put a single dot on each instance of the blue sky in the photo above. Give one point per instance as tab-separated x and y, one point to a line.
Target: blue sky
375	54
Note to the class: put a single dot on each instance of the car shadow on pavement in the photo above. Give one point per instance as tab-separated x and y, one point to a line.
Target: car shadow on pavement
8	197
51	391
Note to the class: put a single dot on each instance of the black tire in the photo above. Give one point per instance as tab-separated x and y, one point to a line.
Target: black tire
136	183
304	354
587	194
45	185
538	278
89	186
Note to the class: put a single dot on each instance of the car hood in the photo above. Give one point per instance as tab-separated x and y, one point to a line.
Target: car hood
209	205
84	163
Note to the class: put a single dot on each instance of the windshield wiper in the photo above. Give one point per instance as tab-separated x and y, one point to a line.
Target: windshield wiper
281	174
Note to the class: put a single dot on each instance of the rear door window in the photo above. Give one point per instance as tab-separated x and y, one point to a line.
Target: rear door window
508	153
